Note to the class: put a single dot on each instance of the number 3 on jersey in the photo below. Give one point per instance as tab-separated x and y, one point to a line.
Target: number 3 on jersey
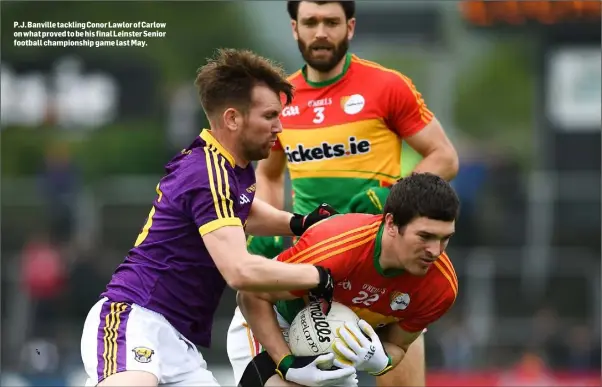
319	115
149	221
365	299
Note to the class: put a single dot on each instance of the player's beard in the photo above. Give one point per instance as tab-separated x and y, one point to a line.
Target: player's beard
254	151
326	64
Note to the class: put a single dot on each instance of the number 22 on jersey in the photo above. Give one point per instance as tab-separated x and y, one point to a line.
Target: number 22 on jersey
366	299
149	221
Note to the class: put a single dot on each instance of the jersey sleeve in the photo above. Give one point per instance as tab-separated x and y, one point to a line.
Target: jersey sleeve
442	295
210	198
318	247
266	246
407	113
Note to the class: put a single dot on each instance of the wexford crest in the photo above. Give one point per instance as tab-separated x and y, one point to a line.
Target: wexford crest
143	354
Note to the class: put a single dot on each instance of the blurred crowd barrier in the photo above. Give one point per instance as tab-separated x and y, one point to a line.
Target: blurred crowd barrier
85	137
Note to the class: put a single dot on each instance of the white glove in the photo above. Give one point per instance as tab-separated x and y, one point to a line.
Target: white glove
351	381
314	371
361	348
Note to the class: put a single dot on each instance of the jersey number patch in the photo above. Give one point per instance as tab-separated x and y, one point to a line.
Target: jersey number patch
149	221
319	115
365	298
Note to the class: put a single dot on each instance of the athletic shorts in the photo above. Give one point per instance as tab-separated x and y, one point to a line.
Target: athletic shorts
119	337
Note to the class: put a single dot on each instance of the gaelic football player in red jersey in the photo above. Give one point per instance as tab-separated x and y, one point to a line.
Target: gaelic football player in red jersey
343	132
391	269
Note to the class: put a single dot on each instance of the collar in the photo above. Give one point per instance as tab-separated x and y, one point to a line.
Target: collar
377	251
210	140
330	81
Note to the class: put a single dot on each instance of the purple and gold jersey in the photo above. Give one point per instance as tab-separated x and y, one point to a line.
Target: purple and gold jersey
169	270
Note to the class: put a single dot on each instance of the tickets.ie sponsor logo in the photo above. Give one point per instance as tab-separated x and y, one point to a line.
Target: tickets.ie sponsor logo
300	153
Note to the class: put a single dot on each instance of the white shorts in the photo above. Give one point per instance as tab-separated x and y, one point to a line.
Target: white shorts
121	337
242	345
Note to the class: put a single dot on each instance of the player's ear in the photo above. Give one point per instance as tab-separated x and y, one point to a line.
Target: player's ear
231	119
350	28
294	28
390	227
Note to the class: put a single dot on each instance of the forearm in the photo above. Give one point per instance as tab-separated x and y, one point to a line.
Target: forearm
262	320
443	163
266	220
265	275
271	191
409	368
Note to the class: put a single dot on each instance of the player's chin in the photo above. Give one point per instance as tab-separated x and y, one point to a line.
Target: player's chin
264	154
420	269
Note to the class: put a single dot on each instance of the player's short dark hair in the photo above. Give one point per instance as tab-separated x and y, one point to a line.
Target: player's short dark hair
228	79
348	7
422	195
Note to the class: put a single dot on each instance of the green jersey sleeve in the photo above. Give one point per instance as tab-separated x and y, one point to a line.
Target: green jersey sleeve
268	247
370	201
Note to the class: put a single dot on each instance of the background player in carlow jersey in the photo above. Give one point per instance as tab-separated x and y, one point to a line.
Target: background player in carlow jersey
391	269
160	302
343	132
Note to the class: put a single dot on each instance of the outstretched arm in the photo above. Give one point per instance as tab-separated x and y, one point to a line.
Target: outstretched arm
243	271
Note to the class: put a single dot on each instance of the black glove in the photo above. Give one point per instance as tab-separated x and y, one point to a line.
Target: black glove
300	223
323	293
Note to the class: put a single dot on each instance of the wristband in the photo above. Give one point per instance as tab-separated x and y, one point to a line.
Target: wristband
387	368
284	364
296	224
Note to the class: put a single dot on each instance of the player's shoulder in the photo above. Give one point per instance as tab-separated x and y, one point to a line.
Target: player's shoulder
198	162
345	224
296	78
444	275
364	69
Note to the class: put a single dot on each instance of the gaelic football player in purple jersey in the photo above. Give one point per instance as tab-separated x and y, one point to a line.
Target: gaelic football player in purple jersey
160	302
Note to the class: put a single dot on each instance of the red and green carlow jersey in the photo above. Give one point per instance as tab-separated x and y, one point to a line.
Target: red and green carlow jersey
344	135
350	245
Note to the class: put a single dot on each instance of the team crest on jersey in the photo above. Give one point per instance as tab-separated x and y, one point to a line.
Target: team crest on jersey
399	300
143	354
353	104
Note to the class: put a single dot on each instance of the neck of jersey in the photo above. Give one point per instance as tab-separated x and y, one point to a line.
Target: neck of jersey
377	254
332	80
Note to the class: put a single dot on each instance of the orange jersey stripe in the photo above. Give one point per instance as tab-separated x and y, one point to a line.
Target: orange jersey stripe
344	248
446	274
293	75
344	242
425	114
310	249
444	258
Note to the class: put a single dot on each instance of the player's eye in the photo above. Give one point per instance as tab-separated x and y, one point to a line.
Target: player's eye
332	23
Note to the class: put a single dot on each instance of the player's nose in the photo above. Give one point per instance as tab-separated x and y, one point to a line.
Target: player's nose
321	31
277	127
434	249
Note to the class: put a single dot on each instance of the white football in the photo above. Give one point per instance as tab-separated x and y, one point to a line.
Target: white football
311	333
